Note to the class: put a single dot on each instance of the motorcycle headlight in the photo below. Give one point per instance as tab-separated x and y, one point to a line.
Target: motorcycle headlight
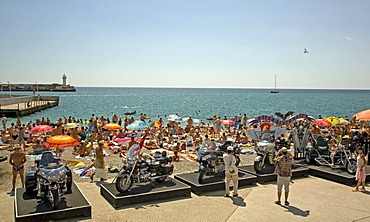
55	175
206	157
42	174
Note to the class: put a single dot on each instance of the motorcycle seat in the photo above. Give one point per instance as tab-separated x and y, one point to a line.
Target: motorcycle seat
48	158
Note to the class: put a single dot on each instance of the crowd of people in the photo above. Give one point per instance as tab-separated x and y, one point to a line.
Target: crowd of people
170	134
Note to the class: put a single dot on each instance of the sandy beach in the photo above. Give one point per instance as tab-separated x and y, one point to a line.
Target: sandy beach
113	159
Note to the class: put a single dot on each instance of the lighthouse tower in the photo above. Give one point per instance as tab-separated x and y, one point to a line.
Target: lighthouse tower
64	80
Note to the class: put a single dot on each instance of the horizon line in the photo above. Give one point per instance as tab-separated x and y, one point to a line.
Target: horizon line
191	87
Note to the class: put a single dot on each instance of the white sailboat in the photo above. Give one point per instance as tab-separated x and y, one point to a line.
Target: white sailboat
274	90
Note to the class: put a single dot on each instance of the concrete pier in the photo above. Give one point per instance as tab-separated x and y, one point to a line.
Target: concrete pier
21	105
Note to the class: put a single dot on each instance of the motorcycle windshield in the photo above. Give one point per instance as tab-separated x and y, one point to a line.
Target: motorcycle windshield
133	151
266	137
52	174
204	151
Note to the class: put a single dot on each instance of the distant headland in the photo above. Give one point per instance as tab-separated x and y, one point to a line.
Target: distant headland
35	87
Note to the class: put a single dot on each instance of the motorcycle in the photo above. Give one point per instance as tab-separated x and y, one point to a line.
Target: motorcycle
136	170
320	154
51	180
265	153
211	162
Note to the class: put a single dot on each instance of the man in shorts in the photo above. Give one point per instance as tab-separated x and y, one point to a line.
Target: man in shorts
17	160
283	170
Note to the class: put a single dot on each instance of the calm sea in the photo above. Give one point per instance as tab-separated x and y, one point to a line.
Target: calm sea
203	103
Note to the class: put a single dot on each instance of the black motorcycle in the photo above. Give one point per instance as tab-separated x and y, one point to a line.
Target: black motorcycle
320	154
136	170
211	162
50	180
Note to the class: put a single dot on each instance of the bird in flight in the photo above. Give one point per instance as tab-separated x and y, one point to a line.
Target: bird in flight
305	51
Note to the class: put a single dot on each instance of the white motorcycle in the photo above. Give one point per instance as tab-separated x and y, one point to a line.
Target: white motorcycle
265	152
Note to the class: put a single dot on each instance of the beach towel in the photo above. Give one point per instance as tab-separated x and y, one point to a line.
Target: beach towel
188	157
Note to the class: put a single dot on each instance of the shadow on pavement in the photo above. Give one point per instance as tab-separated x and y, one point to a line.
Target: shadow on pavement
296	211
238	201
365	192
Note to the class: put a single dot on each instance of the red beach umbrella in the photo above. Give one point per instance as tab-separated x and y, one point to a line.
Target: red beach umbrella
61	141
322	122
41	129
228	122
363	115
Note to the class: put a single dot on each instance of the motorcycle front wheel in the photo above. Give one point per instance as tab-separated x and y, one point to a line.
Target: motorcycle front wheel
160	180
55	197
258	166
123	183
237	161
201	175
352	166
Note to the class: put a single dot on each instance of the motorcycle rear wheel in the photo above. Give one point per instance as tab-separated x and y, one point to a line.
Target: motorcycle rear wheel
55	195
123	183
201	175
258	166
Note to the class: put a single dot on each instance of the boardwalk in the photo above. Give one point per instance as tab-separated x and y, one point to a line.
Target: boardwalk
21	105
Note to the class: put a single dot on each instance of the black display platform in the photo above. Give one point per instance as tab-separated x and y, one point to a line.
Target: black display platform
72	205
336	175
267	174
212	183
144	192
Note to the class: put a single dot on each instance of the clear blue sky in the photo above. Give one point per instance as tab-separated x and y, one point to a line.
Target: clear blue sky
190	43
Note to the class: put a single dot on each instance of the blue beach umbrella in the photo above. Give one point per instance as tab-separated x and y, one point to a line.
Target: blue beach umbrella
138	125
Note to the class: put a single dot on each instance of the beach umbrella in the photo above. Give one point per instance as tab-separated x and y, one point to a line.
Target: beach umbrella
363	115
41	129
138	125
195	121
173	117
322	122
71	125
155	124
343	121
61	141
333	120
112	126
228	122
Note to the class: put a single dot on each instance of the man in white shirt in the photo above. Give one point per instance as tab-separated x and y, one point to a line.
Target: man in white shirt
231	172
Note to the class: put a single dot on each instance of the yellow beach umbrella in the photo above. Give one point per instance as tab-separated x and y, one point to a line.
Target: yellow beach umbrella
333	120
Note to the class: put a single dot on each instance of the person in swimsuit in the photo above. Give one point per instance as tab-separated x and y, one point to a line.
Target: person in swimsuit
99	162
17	160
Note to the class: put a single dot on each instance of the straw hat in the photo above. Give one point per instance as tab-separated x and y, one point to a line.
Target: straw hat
284	149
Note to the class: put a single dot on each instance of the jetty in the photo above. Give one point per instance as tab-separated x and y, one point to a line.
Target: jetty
36	87
21	105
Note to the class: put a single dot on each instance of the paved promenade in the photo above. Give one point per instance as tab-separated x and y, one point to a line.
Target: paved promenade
312	199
